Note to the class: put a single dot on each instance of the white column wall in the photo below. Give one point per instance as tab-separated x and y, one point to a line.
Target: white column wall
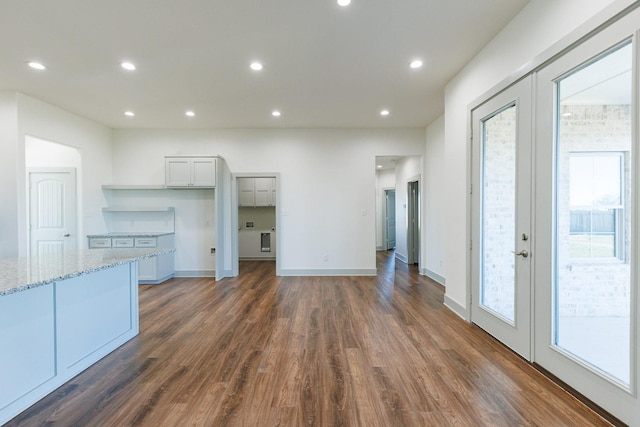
536	28
9	240
435	193
407	169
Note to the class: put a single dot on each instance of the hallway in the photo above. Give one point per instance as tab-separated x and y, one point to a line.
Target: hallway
261	350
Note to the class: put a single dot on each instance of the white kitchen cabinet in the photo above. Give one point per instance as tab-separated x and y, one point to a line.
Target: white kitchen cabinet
264	191
151	271
190	172
246	193
256	191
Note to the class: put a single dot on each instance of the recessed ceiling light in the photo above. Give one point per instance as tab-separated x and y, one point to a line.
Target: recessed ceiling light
276	113
129	113
190	113
416	63
36	65
344	2
128	66
379	166
256	66
384	112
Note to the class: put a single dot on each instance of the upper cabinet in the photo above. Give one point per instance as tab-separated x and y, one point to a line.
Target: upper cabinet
257	191
190	171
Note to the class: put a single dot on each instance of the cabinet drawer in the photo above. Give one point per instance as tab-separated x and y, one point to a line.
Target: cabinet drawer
122	242
146	242
99	242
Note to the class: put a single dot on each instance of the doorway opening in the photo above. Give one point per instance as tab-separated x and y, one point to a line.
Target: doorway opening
257	205
398	206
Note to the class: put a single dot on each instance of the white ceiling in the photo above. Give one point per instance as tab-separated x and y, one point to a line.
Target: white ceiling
324	65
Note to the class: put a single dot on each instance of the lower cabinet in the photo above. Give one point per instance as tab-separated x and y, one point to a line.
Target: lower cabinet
151	271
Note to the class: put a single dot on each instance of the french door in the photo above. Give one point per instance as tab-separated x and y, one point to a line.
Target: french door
501	209
586	293
555	211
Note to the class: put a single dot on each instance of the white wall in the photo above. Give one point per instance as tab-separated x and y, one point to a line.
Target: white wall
327	177
407	169
435	193
385	180
93	141
9	240
536	28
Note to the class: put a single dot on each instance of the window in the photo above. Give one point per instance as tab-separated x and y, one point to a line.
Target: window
596	205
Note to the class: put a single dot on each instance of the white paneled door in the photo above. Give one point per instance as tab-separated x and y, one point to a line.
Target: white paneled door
501	206
52	211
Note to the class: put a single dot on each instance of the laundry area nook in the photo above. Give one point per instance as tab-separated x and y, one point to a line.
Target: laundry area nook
256	218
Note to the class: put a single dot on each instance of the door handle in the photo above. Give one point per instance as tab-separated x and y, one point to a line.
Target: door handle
523	253
67	235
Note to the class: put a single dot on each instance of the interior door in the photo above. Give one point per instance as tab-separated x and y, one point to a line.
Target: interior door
52	211
501	197
390	218
586	216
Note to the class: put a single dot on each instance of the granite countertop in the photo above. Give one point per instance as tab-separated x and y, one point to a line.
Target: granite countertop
19	274
130	234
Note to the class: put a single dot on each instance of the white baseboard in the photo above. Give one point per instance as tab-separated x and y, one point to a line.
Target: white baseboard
401	257
456	308
330	272
195	273
434	276
380	248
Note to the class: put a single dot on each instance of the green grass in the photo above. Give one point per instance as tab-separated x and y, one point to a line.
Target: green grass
592	246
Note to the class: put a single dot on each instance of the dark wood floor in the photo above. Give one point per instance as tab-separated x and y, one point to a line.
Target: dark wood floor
261	350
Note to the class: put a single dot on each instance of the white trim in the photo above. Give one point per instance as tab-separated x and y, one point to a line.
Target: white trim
195	273
456	308
330	272
434	276
401	257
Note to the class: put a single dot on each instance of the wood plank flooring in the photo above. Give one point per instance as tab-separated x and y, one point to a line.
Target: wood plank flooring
261	350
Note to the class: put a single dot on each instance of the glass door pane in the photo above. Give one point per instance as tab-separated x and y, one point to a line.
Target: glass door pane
498	214
592	240
501	207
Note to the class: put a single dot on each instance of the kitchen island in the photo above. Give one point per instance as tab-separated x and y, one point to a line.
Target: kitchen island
61	313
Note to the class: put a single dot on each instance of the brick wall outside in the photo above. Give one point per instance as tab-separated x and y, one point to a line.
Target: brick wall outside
499	158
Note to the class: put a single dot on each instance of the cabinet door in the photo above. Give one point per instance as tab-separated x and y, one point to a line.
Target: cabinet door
203	172
263	191
245	192
177	172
